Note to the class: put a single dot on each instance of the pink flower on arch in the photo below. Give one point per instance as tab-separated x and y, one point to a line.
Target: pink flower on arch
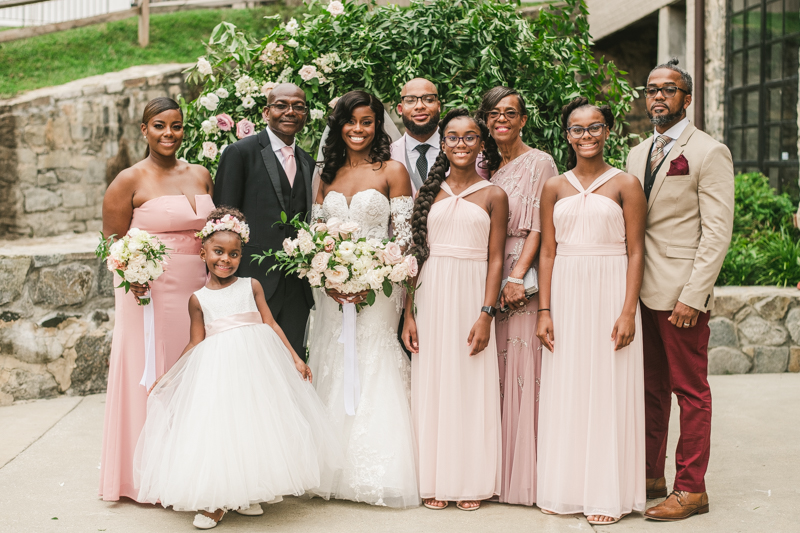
224	122
245	128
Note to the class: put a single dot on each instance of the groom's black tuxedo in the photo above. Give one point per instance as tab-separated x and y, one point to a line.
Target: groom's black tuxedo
251	178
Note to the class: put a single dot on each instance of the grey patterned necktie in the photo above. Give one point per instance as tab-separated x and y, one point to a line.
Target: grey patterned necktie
422	161
658	152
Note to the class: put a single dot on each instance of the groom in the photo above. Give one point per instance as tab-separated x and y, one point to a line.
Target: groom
264	175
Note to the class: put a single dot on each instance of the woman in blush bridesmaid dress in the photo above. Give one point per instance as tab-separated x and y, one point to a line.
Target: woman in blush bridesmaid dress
171	200
591	409
459	227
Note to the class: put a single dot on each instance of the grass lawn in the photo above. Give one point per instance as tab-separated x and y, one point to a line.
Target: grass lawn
61	57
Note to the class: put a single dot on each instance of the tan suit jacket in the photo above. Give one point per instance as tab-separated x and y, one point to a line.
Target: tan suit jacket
689	221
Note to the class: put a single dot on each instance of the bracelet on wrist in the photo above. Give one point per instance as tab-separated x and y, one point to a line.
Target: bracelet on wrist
518	281
540	310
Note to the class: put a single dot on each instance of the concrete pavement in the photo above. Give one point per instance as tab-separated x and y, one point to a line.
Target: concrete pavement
50	452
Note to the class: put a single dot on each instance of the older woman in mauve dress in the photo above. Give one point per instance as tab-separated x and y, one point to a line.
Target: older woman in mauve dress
521	171
171	200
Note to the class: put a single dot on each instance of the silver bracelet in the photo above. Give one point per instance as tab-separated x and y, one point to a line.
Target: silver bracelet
515	280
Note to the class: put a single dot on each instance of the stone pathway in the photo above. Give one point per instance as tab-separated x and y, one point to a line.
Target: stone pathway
50	450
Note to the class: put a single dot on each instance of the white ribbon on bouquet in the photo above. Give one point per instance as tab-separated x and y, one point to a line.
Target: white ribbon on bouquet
352	385
149	375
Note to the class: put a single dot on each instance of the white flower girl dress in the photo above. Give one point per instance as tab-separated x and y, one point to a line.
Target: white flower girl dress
233	423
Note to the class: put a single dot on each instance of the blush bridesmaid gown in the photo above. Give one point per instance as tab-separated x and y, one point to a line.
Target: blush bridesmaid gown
455	398
172	220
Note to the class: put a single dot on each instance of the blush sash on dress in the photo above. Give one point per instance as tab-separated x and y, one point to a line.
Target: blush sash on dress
238	320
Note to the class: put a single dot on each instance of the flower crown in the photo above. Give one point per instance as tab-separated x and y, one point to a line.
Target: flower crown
226	223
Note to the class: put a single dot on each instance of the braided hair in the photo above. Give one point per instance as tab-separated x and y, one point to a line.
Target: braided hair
433	184
491	155
566	112
334	152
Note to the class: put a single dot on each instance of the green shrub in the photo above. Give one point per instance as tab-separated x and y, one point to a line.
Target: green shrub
765	246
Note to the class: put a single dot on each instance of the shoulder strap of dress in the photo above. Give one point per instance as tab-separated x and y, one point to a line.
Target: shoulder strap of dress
446	188
573	180
475	187
607	175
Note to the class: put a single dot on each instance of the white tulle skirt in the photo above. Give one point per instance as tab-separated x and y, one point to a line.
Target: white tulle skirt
233	423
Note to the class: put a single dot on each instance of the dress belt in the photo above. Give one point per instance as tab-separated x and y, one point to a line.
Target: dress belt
459	252
180	242
591	249
233	321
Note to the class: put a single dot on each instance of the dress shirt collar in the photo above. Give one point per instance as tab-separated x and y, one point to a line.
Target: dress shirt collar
675	131
412	143
276	143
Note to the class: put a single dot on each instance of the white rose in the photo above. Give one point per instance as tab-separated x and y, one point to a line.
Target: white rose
292	43
314	278
413	266
319	227
248	102
208	128
338	274
292	26
375	279
399	273
288	247
210	150
204	67
267	87
222	92
363	263
305	241
333	226
320	262
155	269
317	114
308	72
302	272
335	8
210	101
392	254
348	228
346	251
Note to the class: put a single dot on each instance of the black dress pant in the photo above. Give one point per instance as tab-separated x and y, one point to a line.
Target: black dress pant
289	308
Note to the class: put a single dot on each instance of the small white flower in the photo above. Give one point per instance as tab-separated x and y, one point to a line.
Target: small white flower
245	86
292	27
292	43
317	114
248	102
210	101
335	8
285	75
222	92
204	67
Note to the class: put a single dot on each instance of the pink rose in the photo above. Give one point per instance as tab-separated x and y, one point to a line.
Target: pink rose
318	227
224	122
328	242
348	228
333	226
245	128
413	267
392	254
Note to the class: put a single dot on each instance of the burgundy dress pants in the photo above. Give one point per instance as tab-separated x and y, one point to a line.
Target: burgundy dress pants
676	361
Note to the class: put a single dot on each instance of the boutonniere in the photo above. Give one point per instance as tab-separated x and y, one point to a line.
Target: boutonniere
678	167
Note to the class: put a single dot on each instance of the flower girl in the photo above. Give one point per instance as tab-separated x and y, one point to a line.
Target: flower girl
234	422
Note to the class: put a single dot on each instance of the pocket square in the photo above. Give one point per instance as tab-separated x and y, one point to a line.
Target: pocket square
678	167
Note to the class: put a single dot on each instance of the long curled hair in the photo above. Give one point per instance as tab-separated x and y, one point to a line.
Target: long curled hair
491	155
433	184
567	110
335	151
156	106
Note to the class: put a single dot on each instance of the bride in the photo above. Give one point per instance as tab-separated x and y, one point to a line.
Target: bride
361	184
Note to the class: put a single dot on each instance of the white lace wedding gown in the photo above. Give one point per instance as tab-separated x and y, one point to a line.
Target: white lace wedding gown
380	452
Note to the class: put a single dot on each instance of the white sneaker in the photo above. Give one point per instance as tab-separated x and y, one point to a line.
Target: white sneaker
254	510
201	521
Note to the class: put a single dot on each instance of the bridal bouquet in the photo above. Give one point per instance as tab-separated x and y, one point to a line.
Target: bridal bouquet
138	257
330	257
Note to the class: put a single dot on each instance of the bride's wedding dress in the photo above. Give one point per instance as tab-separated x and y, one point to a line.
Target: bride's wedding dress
380	466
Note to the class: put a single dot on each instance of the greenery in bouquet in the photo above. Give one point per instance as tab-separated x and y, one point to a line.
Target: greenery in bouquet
465	47
329	257
138	257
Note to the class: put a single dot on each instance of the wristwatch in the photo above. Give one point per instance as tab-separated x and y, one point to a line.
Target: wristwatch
491	311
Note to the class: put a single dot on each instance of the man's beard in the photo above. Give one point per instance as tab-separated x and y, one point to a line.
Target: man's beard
422	129
663	120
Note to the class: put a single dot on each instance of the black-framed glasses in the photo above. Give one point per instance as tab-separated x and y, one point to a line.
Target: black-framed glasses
469	139
427	99
511	114
668	91
300	109
595	130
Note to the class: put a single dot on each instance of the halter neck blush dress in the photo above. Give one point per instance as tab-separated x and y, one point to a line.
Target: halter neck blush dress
591	454
455	398
172	219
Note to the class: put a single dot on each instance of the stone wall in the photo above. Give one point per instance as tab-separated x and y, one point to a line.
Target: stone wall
61	146
755	330
56	318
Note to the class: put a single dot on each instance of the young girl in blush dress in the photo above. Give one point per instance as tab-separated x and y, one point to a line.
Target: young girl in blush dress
236	421
459	227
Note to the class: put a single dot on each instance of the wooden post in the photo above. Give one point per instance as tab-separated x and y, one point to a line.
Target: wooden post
144	23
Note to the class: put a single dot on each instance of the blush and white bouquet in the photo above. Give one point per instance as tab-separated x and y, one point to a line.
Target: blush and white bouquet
138	257
331	257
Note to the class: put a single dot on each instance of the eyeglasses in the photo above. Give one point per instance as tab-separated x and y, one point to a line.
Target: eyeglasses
453	140
300	109
595	130
511	114
427	99
669	91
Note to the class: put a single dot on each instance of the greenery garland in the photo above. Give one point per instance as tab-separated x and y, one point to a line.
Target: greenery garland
465	47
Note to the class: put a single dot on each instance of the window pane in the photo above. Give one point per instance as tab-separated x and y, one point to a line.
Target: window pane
790	103
774	105
774	144
788	181
735	144
774	61
792	16
753	2
738	5
737	31
790	50
736	75
753	35
774	20
751	144
774	174
752	107
788	138
737	109
754	66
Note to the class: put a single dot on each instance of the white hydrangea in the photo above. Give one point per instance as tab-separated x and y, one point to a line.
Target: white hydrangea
209	127
204	67
246	86
325	62
285	75
209	101
292	27
316	114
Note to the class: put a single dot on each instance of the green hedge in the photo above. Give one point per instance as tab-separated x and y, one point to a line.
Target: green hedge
765	248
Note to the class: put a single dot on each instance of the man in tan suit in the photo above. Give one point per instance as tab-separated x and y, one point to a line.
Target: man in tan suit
688	181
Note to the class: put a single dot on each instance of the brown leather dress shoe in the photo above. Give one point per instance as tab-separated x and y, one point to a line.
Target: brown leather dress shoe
656	487
678	506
